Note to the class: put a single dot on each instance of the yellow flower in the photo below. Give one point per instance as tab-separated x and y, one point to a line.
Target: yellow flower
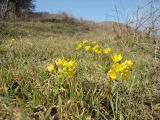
87	48
79	46
112	74
67	70
85	41
117	67
98	52
71	72
96	46
107	50
94	42
59	62
51	68
126	64
62	71
69	64
116	57
124	74
96	49
129	63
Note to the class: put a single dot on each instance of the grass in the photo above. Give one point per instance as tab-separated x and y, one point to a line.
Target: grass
28	91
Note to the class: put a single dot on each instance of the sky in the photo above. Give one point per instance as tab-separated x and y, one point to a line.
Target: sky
94	10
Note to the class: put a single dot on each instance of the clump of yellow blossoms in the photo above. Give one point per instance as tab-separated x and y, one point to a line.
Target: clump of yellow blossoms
119	69
96	49
80	44
59	62
65	68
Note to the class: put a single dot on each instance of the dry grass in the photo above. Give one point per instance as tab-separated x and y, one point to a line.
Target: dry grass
28	91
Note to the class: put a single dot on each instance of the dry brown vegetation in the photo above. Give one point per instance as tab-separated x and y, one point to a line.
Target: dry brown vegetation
29	45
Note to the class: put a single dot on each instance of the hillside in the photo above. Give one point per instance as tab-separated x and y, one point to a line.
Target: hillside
46	74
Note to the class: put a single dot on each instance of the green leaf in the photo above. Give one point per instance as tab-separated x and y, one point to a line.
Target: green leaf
48	113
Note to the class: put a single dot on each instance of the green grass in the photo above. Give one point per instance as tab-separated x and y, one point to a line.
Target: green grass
28	91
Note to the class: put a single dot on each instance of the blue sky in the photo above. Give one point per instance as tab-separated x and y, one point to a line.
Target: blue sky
95	10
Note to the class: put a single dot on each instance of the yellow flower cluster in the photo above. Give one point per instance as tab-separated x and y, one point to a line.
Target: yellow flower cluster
80	44
92	47
97	49
65	68
119	69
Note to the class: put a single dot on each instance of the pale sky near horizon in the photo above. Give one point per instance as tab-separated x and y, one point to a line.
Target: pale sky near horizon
94	10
